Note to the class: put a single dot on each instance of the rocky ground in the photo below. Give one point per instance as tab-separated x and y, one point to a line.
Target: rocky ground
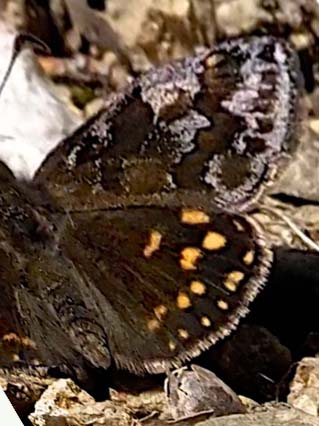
96	49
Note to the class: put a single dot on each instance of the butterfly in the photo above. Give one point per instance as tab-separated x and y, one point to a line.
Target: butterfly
133	244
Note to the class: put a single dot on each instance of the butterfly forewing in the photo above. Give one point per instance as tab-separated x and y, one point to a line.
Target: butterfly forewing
168	283
219	122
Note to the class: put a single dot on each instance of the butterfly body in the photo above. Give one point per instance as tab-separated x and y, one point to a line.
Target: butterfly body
135	244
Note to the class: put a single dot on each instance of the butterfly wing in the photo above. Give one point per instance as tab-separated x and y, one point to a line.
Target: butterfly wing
207	132
166	284
42	312
157	273
220	123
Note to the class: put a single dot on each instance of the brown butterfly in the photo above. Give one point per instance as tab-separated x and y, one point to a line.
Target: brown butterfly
133	243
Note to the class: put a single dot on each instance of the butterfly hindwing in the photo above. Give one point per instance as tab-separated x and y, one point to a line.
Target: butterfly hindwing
167	283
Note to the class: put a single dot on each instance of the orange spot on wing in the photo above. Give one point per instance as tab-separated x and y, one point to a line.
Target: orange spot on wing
194	217
183	333
249	257
172	345
222	304
205	321
153	244
233	279
183	301
214	241
160	311
197	287
153	324
189	257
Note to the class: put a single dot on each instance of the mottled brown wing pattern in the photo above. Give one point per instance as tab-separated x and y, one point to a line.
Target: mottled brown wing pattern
219	123
130	237
168	283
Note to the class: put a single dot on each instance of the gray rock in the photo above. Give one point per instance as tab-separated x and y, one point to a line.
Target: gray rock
24	387
32	119
304	388
195	390
65	404
302	175
284	416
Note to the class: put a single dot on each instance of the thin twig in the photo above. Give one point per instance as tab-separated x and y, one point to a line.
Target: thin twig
303	237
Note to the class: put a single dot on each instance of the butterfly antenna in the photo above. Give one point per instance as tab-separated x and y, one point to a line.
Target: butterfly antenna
22	41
